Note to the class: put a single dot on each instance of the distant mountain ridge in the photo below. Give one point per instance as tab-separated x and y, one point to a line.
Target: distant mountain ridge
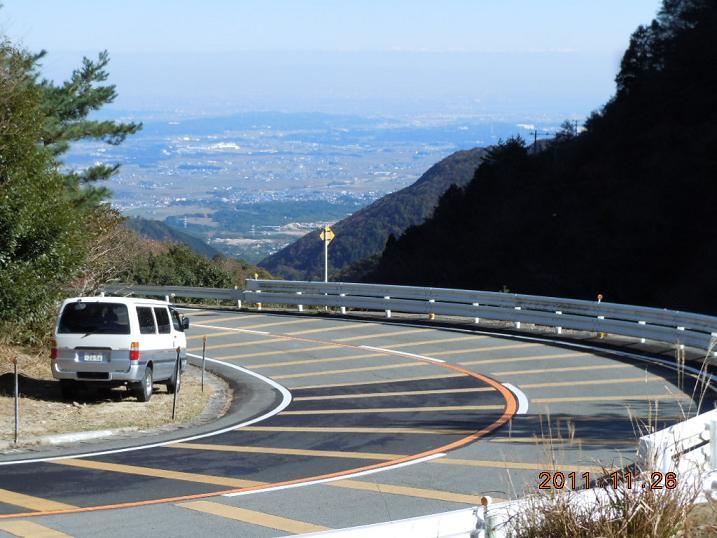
365	232
159	231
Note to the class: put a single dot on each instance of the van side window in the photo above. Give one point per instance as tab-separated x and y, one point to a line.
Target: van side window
176	321
162	320
146	320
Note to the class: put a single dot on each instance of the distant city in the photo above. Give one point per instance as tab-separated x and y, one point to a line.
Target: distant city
251	183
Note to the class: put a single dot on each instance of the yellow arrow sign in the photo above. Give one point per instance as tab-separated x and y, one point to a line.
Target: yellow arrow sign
327	234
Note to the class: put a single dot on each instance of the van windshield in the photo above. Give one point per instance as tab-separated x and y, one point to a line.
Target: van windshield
98	318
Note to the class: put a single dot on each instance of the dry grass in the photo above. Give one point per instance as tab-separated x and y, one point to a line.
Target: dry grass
43	411
612	513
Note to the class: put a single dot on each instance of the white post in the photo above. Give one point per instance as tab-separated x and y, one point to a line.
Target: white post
258	305
642	340
326	258
713	444
102	294
431	315
166	298
559	329
301	306
682	346
388	312
517	323
476	320
343	308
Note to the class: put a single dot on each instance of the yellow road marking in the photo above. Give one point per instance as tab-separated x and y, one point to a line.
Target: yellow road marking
622	397
522	359
238	317
267	340
158	473
30	502
253	517
409	492
30	530
337	328
208	335
279	352
482	349
591	382
387	394
307	429
381	456
394	410
560	440
566	369
379	335
289	451
438	341
379	382
351	370
316	361
274	323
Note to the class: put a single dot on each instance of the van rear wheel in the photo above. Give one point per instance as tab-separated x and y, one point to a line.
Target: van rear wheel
175	382
143	389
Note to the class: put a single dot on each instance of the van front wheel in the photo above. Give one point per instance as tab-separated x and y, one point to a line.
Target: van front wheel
143	389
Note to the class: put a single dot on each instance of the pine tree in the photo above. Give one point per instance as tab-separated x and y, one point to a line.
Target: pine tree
66	109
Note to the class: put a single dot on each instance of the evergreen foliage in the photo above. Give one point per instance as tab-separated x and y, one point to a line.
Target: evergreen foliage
42	243
624	208
66	108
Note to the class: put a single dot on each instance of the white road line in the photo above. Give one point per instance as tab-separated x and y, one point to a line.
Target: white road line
523	402
404	353
337	478
285	401
237	329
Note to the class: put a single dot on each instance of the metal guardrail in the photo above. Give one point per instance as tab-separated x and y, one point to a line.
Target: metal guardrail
682	328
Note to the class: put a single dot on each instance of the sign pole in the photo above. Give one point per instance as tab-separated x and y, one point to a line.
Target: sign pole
326	259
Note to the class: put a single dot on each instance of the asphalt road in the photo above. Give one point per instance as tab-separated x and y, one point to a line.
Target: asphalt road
384	421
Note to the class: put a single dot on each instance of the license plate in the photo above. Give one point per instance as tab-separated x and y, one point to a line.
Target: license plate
93	357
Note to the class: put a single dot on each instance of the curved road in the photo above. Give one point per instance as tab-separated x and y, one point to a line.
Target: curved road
385	421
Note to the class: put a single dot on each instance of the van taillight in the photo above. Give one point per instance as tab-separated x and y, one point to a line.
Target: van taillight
134	351
54	353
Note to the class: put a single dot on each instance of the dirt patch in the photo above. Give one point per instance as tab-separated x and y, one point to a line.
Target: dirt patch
43	412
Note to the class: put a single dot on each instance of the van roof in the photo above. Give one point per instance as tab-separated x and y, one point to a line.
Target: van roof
110	299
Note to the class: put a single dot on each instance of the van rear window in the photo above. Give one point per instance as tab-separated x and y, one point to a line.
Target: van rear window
94	318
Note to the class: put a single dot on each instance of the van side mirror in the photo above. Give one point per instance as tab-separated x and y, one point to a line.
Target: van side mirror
185	324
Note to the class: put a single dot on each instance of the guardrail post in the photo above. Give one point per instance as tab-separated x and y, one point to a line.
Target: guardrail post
388	312
714	353
682	346
558	329
431	315
301	306
343	308
166	298
642	340
258	305
238	300
713	444
476	320
102	294
517	323
601	334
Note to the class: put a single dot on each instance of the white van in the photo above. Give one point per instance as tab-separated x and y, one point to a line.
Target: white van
118	341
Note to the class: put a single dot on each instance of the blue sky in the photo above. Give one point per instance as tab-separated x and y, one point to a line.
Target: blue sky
192	53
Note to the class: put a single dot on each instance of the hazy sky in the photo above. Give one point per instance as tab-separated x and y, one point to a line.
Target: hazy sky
183	53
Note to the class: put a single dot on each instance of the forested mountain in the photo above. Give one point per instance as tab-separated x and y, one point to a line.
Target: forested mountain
627	208
365	232
159	231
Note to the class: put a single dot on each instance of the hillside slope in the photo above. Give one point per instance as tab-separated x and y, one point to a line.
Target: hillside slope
625	209
159	231
365	232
